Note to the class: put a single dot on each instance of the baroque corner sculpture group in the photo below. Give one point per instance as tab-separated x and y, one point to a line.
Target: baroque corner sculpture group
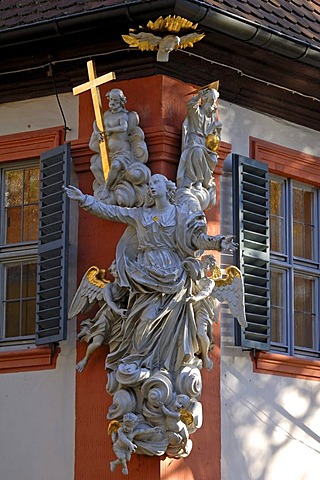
157	314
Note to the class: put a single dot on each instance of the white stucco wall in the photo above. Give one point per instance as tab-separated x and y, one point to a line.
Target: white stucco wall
40	113
37	420
270	424
238	124
37	409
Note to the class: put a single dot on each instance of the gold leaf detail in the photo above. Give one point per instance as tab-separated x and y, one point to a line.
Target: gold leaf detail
231	273
97	277
216	273
113	426
213	85
171	23
186	417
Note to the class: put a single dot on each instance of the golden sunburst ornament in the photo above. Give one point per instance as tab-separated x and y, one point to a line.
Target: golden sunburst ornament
164	35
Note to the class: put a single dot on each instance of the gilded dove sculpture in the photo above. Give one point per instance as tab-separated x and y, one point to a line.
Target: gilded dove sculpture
162	36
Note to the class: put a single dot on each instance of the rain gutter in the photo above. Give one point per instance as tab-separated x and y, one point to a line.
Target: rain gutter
208	16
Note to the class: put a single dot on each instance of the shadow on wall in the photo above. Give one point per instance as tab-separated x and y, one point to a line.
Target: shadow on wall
270	425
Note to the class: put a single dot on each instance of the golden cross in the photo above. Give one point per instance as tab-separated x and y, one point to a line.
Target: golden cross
93	85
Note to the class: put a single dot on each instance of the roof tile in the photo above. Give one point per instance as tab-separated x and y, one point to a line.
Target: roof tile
311	16
299	19
278	12
289	17
287	6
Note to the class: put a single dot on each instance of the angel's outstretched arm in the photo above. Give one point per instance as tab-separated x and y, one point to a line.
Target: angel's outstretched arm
74	193
217	242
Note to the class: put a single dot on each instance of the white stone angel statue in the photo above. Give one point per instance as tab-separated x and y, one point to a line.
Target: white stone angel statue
105	326
207	291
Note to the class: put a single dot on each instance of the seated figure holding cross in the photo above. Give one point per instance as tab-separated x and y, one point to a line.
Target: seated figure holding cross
127	154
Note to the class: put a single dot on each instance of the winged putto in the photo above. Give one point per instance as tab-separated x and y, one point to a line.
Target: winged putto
111	299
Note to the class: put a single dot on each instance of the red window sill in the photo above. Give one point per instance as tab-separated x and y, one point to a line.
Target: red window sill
26	360
276	364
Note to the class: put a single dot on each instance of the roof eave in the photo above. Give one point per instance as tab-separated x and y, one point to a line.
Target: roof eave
215	19
208	16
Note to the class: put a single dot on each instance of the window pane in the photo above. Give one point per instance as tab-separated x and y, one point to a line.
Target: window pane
30	225
29	273
16	311
276	216
28	324
13	282
13	187
21	205
31	186
304	312
14	225
12	317
303	223
277	285
20	301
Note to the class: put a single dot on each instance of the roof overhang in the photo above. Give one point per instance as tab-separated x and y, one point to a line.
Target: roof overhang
251	60
207	15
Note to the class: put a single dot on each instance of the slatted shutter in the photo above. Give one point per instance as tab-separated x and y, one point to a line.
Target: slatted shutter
251	227
51	298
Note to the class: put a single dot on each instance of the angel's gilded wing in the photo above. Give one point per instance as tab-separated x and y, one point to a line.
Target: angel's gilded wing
231	291
189	39
89	291
113	427
142	40
186	417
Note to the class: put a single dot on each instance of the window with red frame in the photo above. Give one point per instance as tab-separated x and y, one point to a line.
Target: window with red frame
18	250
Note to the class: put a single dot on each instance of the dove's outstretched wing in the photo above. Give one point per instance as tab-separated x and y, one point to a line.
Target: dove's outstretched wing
142	40
89	291
189	39
231	291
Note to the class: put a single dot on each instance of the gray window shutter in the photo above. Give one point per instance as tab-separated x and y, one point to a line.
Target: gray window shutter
51	297
251	228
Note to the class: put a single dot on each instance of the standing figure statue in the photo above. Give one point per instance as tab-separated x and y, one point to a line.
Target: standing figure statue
200	142
128	154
